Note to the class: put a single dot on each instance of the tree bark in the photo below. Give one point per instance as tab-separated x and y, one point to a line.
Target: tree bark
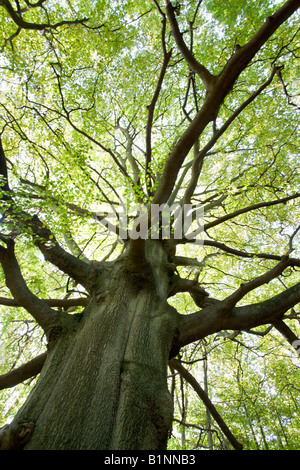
104	383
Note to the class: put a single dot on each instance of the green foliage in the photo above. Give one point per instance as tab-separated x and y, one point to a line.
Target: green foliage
254	384
74	104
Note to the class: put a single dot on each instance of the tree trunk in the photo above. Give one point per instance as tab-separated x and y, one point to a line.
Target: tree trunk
104	383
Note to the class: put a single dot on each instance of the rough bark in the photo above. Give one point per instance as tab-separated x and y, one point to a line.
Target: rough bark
104	383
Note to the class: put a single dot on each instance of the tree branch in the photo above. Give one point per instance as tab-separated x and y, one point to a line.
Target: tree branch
22	373
287	333
243	56
78	269
215	96
249	209
185	261
42	313
132	161
18	20
79	211
265	278
198	160
181	149
67	115
175	364
243	254
197	293
151	108
193	63
216	317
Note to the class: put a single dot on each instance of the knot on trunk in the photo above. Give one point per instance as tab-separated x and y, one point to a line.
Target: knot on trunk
14	436
53	335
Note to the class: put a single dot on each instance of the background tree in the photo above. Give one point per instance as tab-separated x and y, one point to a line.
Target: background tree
108	107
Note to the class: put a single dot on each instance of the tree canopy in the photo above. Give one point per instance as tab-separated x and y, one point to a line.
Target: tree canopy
110	106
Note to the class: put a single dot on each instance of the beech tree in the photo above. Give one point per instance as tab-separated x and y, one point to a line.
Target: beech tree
149	154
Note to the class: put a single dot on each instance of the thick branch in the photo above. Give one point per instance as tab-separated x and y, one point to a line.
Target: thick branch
266	312
78	269
243	56
175	364
132	161
3	172
215	97
177	156
197	293
216	317
193	63
198	160
43	314
22	373
184	261
74	267
287	333
35	26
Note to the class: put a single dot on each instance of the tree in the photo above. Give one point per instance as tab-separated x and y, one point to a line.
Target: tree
148	153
